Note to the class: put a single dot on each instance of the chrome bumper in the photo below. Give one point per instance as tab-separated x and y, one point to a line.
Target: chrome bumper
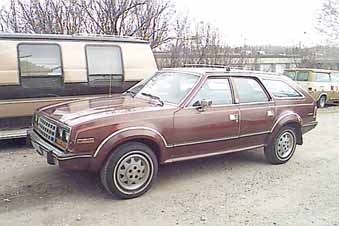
53	153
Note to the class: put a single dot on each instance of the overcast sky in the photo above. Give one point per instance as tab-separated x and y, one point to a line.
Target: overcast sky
256	22
259	22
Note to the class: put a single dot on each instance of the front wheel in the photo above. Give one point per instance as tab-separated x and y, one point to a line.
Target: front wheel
282	147
322	102
130	170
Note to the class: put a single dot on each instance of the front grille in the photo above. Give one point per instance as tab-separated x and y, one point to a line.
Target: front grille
46	129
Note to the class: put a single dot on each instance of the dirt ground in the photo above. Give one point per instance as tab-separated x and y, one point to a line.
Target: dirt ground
234	189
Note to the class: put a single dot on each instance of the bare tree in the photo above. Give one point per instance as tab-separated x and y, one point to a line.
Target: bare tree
49	16
178	48
9	19
108	16
148	19
153	20
328	19
200	46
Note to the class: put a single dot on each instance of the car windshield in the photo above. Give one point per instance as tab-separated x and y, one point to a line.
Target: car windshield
168	87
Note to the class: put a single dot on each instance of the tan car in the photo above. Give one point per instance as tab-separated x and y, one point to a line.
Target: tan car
323	85
38	70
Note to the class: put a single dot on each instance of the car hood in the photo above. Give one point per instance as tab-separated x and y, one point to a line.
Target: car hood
91	109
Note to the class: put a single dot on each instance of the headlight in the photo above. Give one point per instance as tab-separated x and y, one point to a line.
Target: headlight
62	136
65	135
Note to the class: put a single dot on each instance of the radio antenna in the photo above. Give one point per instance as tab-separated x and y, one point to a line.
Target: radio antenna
110	86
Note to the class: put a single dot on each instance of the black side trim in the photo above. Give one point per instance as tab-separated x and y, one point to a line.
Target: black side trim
15	122
73	89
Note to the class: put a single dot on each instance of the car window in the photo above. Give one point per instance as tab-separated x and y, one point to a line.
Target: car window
249	90
335	77
302	76
40	65
170	87
290	74
280	89
104	64
322	77
215	89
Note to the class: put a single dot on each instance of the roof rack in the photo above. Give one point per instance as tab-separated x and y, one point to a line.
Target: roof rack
78	36
105	36
208	66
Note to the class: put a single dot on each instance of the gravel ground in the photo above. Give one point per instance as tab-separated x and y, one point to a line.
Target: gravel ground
234	189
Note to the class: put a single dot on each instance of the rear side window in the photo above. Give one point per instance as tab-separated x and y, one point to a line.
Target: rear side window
249	90
302	76
322	77
335	77
215	89
40	65
280	89
104	65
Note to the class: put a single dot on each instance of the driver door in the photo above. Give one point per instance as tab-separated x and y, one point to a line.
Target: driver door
212	129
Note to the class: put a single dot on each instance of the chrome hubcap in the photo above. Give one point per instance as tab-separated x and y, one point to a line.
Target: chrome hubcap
133	172
322	101
285	144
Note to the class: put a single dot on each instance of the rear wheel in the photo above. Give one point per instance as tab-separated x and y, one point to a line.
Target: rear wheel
282	147
322	101
130	170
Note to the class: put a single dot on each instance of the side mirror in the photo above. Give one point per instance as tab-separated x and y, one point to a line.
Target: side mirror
203	104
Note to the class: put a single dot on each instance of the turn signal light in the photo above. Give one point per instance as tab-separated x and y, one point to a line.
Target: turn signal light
315	111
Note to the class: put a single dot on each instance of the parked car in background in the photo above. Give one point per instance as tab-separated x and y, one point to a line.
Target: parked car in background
323	85
177	114
38	70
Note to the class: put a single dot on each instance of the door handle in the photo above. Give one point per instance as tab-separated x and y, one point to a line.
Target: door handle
234	117
270	113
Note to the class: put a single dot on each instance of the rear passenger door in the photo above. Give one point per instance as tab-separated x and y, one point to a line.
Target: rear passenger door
257	110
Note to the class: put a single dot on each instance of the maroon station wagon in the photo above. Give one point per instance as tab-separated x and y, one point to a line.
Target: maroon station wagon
177	114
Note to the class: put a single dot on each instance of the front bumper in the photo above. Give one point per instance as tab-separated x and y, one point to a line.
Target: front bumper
55	155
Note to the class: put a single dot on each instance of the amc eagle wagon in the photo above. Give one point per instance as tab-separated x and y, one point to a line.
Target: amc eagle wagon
176	114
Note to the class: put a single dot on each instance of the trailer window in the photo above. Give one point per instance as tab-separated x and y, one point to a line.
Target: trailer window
40	65
104	65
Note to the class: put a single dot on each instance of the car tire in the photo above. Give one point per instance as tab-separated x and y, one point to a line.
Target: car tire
322	101
130	170
282	147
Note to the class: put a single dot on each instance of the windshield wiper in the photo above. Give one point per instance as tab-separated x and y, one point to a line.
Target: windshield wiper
132	93
154	98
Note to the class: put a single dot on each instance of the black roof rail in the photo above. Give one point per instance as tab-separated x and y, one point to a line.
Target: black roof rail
208	66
